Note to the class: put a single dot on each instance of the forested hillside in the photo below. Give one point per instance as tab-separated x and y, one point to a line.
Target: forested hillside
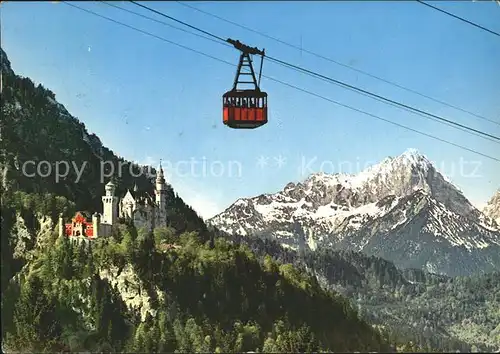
199	297
435	312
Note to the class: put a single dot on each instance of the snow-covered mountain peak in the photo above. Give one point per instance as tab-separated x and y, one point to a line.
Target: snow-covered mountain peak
411	166
401	209
400	175
411	158
414	156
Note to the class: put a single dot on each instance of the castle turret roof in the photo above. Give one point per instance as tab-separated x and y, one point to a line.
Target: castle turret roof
160	178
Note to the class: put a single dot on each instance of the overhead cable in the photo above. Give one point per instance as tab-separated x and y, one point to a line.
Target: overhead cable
284	83
343	84
341	64
459	18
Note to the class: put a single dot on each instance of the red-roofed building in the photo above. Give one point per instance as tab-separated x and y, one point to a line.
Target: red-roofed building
79	226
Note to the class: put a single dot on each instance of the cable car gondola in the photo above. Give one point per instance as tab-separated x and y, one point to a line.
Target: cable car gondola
245	108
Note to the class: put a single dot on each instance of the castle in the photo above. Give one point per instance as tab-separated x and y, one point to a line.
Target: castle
144	211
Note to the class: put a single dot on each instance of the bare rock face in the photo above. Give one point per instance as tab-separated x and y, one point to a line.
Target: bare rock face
492	208
401	209
131	289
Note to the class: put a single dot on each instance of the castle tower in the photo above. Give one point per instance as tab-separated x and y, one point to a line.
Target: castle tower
161	198
96	221
110	205
61	225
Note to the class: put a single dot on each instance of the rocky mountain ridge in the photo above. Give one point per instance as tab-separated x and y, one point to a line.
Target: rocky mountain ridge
492	208
401	209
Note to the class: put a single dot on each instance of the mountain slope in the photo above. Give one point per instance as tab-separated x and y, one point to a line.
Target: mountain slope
402	209
35	127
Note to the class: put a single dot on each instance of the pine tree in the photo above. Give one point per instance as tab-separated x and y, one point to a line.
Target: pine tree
35	317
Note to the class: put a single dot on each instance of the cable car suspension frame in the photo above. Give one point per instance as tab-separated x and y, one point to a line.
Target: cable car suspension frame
246	61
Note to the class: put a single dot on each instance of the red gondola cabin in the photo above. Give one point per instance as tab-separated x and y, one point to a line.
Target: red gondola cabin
245	109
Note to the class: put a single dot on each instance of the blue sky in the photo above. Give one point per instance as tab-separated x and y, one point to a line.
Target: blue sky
149	100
